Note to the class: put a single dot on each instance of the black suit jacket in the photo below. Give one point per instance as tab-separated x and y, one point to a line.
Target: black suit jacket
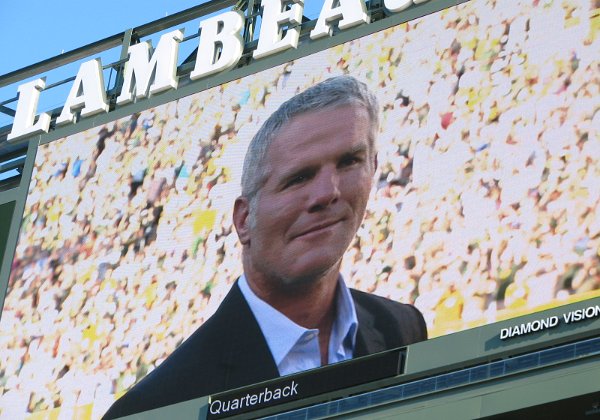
229	351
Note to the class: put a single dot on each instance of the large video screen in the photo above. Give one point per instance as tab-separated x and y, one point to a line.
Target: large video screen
484	204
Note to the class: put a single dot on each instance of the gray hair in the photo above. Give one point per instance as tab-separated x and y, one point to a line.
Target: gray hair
337	91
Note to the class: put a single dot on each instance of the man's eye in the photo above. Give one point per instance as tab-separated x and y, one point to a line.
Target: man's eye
298	179
350	161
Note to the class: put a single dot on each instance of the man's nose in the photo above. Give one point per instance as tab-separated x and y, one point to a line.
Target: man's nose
324	190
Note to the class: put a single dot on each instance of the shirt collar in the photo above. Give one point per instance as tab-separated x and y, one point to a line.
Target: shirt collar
282	334
345	325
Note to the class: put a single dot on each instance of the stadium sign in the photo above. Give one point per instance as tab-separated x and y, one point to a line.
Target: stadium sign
220	48
537	325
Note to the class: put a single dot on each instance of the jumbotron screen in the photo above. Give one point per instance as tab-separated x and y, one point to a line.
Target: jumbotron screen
484	203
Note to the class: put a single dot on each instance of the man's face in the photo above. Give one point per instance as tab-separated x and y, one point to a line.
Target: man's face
320	168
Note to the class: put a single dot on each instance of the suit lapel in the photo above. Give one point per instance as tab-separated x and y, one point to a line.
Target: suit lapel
369	339
246	358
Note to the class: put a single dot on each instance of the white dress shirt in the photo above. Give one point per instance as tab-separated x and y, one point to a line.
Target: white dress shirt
295	348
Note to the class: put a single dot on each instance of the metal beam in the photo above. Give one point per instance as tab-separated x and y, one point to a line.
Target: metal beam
183	16
6	110
60	60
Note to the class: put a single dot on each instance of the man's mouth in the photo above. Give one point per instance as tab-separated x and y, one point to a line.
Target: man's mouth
318	228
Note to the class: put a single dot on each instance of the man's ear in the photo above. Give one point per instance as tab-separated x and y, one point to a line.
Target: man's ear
241	212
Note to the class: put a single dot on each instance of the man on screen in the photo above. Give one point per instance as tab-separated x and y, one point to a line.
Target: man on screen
306	180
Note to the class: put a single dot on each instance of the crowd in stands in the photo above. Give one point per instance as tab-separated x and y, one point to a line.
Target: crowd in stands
485	204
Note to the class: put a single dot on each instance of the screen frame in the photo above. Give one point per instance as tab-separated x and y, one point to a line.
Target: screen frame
462	348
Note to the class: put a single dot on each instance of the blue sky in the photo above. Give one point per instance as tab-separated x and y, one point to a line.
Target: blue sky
34	30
